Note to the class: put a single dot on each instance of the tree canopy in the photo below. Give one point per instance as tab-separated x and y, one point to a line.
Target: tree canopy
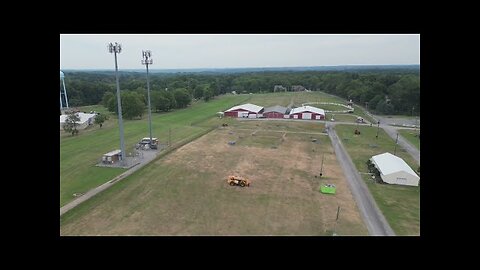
386	91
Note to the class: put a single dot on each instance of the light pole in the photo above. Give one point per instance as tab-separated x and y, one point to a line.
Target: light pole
147	60
321	168
415	126
378	129
396	142
117	48
336	220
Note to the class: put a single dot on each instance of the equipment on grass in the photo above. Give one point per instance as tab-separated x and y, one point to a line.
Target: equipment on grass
238	181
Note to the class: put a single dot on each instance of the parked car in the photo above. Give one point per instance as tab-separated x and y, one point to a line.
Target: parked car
145	143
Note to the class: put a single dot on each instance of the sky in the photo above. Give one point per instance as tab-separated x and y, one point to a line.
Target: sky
236	51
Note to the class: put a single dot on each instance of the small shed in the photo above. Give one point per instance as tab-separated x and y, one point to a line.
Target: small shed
394	170
112	157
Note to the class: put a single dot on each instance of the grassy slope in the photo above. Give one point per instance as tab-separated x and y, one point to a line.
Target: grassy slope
399	204
409	135
79	154
285	98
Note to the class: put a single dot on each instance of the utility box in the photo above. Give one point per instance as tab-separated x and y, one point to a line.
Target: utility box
112	157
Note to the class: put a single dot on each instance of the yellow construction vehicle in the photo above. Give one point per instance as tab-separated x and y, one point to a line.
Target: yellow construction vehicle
238	181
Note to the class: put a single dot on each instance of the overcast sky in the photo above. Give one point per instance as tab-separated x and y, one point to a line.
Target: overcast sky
231	51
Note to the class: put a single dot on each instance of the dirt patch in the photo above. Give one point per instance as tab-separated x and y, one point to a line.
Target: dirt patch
186	192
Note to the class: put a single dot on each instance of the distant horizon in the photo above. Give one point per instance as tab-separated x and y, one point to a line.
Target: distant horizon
249	67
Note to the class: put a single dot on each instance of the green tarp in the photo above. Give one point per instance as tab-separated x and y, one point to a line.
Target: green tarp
329	189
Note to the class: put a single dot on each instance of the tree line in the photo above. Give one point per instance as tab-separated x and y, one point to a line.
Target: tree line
383	91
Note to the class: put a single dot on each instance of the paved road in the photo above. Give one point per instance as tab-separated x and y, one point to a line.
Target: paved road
412	150
392	132
148	156
371	214
398	120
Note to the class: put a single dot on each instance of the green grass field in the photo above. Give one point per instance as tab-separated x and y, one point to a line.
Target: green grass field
285	98
359	111
79	154
331	107
400	116
399	204
410	135
347	117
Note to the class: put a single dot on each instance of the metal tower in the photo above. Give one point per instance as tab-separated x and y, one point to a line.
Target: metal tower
62	78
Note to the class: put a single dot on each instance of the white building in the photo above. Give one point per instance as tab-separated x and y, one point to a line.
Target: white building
394	170
307	112
86	119
245	111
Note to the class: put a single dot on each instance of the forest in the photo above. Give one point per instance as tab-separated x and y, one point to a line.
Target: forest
392	91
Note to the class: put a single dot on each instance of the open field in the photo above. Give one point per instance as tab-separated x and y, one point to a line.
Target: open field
346	117
186	193
359	111
331	107
410	136
285	98
79	154
399	204
400	116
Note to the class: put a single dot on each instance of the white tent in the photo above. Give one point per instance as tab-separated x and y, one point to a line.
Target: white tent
85	120
394	170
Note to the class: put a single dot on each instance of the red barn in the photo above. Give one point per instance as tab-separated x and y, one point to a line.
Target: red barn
275	112
245	111
307	112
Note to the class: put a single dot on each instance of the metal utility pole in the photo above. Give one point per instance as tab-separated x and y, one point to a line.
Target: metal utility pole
396	142
336	220
62	78
378	129
147	60
415	128
169	137
321	168
117	48
65	92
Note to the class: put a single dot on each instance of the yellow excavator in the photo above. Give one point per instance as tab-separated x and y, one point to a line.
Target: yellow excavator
238	181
